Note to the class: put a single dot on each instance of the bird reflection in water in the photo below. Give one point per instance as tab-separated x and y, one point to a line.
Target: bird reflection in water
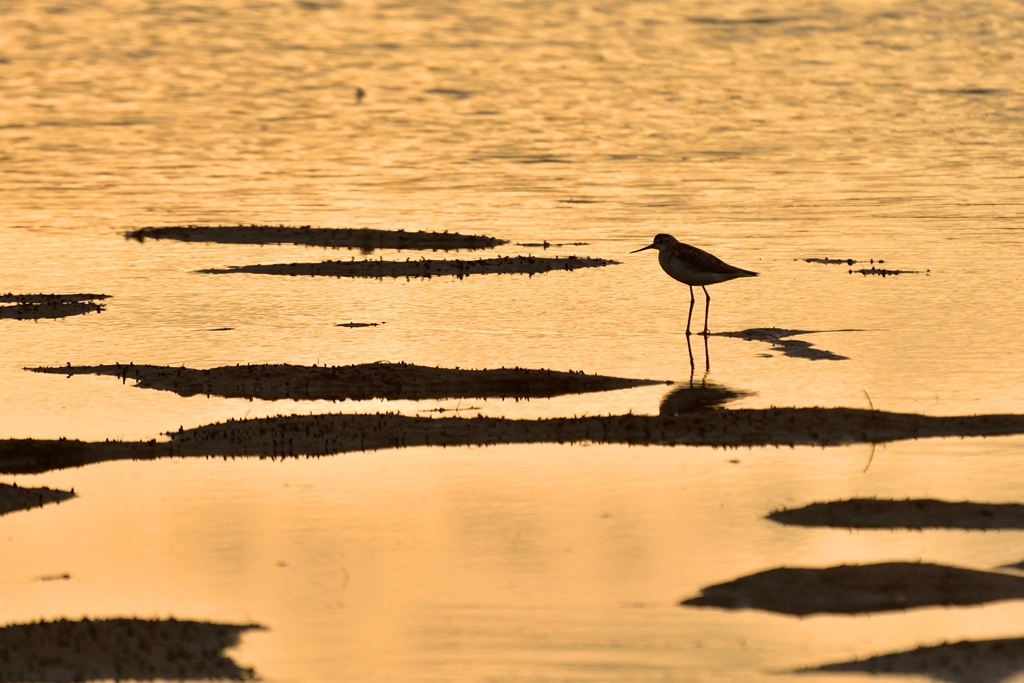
693	397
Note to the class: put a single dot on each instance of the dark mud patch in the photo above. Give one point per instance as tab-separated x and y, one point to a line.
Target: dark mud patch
391	381
778	338
365	239
48	306
691	399
860	589
318	435
120	649
969	661
14	497
872	513
423	268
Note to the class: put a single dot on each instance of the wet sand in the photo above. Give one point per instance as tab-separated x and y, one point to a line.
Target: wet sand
49	306
980	661
423	268
872	513
120	649
777	337
14	497
364	239
860	589
316	435
390	381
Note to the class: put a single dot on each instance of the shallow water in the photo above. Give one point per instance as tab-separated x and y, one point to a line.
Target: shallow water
764	135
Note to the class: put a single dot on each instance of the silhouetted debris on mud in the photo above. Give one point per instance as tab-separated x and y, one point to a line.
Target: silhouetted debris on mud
364	239
872	513
14	497
40	306
390	381
46	578
120	649
969	661
315	435
840	261
423	268
794	348
547	245
358	324
692	399
872	268
858	589
884	272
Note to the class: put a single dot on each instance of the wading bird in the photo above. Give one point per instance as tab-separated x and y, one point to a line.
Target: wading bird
694	267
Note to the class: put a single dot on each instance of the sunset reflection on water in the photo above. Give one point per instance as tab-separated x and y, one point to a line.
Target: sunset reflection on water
765	136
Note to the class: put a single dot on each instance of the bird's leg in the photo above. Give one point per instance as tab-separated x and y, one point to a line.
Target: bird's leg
691	312
707	308
707	359
693	367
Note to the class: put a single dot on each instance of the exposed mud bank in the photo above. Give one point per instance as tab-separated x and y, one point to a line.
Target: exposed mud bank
315	435
423	268
120	649
977	661
14	497
860	589
390	381
43	306
872	513
364	239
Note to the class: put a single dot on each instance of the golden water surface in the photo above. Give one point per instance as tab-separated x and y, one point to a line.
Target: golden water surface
765	133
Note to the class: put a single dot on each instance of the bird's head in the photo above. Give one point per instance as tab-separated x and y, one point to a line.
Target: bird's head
661	241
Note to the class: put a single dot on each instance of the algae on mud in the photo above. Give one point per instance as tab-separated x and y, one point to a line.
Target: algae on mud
317	435
860	589
120	649
364	239
874	513
423	268
390	381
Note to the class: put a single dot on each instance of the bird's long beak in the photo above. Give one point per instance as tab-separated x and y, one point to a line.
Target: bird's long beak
651	246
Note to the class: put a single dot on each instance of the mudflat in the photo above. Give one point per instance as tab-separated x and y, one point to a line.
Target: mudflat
390	381
43	306
926	513
317	435
364	239
14	497
859	589
120	649
422	268
969	661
